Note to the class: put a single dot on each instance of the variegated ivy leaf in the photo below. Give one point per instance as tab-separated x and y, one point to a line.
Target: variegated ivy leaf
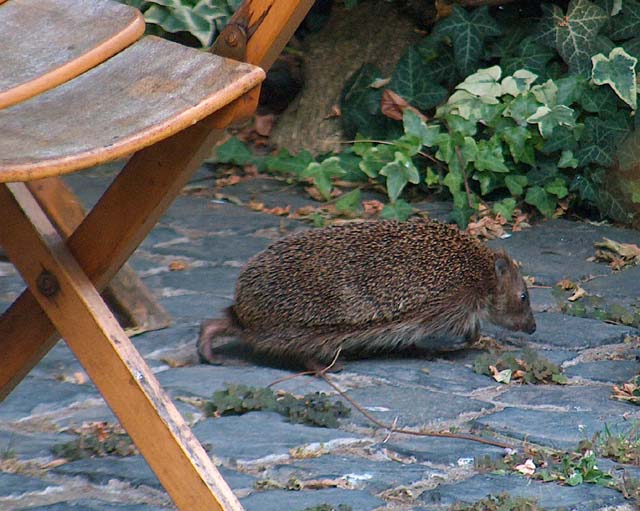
483	83
517	83
574	34
619	72
548	118
399	172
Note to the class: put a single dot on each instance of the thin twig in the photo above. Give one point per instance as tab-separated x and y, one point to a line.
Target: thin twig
310	372
392	429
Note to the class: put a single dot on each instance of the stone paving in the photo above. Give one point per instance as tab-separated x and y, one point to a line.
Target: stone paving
258	453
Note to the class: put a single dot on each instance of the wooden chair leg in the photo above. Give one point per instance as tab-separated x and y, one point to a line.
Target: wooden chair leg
74	306
113	229
128	298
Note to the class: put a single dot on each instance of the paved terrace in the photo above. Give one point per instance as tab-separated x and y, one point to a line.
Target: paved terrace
215	239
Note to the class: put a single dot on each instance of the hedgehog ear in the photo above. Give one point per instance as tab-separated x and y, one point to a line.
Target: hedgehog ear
501	265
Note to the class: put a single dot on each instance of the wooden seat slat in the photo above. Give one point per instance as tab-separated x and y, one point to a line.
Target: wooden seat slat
145	93
47	42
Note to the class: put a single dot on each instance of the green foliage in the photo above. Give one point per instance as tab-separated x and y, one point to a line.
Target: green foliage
527	367
314	409
537	126
202	19
96	439
621	446
329	507
501	502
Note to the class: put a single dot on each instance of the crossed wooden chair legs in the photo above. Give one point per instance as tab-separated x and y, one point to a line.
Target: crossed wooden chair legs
64	278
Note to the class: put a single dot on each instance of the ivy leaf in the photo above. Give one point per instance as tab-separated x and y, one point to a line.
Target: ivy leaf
399	210
411	79
619	72
627	23
519	82
483	83
562	138
321	174
586	189
548	118
531	55
360	104
599	100
567	160
632	47
516	183
468	31
175	17
440	60
399	172
517	138
374	158
601	140
557	187
349	202
286	162
522	108
415	126
573	35
234	151
538	197
546	93
490	156
570	89
488	181
505	207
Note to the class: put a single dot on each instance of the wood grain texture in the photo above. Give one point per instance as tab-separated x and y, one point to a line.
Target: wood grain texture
47	42
277	21
125	381
144	94
113	229
127	296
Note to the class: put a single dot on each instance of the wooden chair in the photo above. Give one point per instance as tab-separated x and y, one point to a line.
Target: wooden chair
78	87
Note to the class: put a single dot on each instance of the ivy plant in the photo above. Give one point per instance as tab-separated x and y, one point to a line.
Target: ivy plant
498	110
202	19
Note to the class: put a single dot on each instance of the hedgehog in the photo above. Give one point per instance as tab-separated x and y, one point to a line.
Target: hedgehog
365	288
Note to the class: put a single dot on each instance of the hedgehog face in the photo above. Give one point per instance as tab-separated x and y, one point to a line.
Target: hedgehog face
509	306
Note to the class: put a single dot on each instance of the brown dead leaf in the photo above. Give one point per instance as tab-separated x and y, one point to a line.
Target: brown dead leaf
372	207
178	265
577	294
319	484
566	284
278	210
314	193
487	227
617	254
527	468
530	280
264	124
304	211
228	181
393	105
335	112
380	82
255	205
520	222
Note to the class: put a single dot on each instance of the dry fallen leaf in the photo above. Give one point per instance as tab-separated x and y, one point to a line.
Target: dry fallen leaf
255	205
278	210
335	112
372	207
393	105
618	255
577	294
264	124
227	181
487	227
566	284
528	468
178	265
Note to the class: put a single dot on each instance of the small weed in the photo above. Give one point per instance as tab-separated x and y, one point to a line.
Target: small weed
96	439
501	502
528	367
314	409
623	447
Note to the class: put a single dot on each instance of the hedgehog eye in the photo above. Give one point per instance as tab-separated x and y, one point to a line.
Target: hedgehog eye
523	296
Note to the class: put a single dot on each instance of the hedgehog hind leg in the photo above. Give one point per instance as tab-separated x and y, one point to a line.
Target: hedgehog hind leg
303	347
214	335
